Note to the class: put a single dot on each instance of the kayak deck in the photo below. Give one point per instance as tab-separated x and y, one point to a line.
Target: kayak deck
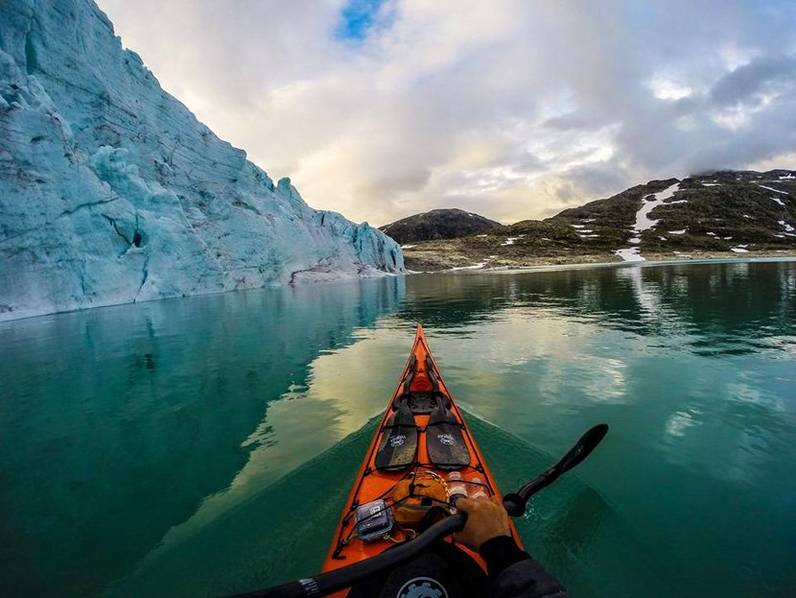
422	386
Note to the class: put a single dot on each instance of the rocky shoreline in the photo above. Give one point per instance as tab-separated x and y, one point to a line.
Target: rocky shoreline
427	257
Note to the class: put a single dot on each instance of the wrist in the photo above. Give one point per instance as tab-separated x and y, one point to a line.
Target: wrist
500	552
489	538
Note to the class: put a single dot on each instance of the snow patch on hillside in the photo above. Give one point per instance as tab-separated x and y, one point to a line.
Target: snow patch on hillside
511	240
630	254
644	222
772	189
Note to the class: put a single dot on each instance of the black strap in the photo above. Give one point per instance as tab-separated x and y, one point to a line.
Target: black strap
430	374
410	374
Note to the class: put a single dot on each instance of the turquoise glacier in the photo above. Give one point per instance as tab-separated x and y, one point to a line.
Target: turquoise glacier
111	191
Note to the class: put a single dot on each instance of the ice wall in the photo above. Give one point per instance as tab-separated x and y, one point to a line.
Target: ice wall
111	191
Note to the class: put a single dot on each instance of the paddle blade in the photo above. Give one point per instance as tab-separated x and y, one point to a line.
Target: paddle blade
515	502
582	449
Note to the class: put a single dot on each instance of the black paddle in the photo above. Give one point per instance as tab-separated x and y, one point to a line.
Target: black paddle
326	583
516	502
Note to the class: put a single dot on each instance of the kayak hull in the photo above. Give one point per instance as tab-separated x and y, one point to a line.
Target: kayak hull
420	375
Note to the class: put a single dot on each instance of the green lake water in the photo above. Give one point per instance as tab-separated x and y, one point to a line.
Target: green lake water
204	446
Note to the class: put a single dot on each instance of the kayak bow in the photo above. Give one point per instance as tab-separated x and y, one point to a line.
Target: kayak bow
422	458
421	437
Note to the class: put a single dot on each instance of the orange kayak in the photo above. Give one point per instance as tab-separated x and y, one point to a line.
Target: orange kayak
422	442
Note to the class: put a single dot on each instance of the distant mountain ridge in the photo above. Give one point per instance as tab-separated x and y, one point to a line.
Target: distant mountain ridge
444	223
724	212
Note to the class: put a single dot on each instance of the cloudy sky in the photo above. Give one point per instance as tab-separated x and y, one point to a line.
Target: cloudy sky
514	109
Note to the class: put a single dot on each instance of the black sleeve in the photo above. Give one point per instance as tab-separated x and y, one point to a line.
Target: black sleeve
514	574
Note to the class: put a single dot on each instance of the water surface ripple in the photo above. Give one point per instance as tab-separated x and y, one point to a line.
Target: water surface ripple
204	446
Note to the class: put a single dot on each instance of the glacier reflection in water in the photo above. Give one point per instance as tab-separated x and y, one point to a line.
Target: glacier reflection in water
177	448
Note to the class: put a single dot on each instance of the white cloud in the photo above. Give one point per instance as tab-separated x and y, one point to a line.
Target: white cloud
668	89
512	109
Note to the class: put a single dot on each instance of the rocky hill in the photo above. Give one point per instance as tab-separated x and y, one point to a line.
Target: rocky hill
726	213
111	191
446	223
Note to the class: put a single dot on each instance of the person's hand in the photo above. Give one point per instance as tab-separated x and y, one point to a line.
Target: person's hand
486	519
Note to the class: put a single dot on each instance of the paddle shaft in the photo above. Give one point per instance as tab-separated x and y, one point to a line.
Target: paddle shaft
331	581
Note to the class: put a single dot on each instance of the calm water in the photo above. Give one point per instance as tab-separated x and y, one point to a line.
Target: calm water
204	446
